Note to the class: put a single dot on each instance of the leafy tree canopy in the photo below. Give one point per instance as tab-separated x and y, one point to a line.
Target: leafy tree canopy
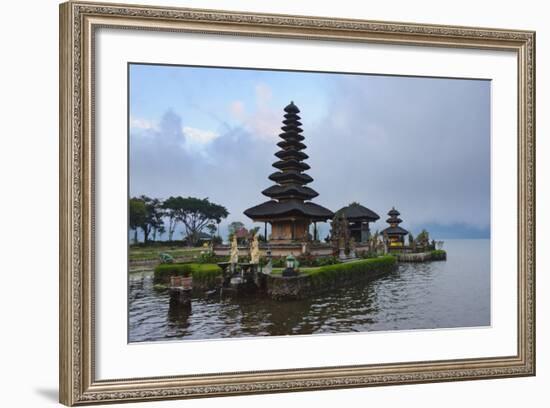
149	215
234	227
197	213
138	213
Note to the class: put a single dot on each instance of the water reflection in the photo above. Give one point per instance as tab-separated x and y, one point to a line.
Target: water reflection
178	315
454	293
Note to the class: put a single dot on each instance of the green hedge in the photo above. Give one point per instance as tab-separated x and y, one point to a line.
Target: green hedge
204	275
352	270
438	254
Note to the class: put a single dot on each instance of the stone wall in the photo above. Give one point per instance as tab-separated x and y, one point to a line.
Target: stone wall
305	285
296	287
422	256
279	250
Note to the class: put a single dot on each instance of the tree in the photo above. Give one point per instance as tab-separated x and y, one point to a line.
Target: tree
237	228
197	213
211	229
423	239
172	208
153	217
157	226
161	229
156	214
254	231
138	215
234	227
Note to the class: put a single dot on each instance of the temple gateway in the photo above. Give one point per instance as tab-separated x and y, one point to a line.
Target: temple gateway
289	210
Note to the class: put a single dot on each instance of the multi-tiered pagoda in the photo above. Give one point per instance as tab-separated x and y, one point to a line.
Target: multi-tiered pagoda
290	212
394	233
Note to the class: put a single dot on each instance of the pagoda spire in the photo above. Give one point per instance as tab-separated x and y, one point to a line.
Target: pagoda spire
394	232
290	178
289	210
394	219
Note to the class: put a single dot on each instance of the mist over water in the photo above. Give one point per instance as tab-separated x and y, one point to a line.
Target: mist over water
434	295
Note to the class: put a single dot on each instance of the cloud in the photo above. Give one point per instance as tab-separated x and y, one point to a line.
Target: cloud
264	121
191	139
233	173
198	139
236	108
263	94
419	144
142	124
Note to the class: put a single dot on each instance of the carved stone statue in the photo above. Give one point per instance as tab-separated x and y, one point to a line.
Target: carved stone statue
340	234
385	241
382	246
342	248
268	268
255	251
373	243
234	253
352	247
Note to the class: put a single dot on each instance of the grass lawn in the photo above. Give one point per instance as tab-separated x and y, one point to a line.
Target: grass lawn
153	252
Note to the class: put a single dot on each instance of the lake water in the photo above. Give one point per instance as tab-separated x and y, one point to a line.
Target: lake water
443	294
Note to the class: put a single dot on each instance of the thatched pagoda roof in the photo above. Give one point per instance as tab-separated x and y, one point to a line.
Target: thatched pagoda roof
397	230
293	208
356	212
394	229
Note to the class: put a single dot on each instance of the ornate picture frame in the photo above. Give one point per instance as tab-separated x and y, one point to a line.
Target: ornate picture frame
78	24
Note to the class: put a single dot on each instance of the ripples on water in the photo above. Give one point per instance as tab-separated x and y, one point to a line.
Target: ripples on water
445	294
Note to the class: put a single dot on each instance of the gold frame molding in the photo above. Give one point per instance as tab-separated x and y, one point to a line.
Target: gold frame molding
78	22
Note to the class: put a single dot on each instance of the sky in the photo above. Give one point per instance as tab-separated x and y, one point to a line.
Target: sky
419	144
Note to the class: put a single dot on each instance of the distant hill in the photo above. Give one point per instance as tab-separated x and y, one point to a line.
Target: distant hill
453	231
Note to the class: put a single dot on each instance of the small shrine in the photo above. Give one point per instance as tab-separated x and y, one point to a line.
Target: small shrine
289	210
394	234
358	218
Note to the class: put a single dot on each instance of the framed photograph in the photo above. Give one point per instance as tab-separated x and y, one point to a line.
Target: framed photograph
255	203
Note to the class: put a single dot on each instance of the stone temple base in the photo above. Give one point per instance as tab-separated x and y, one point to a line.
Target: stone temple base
304	286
